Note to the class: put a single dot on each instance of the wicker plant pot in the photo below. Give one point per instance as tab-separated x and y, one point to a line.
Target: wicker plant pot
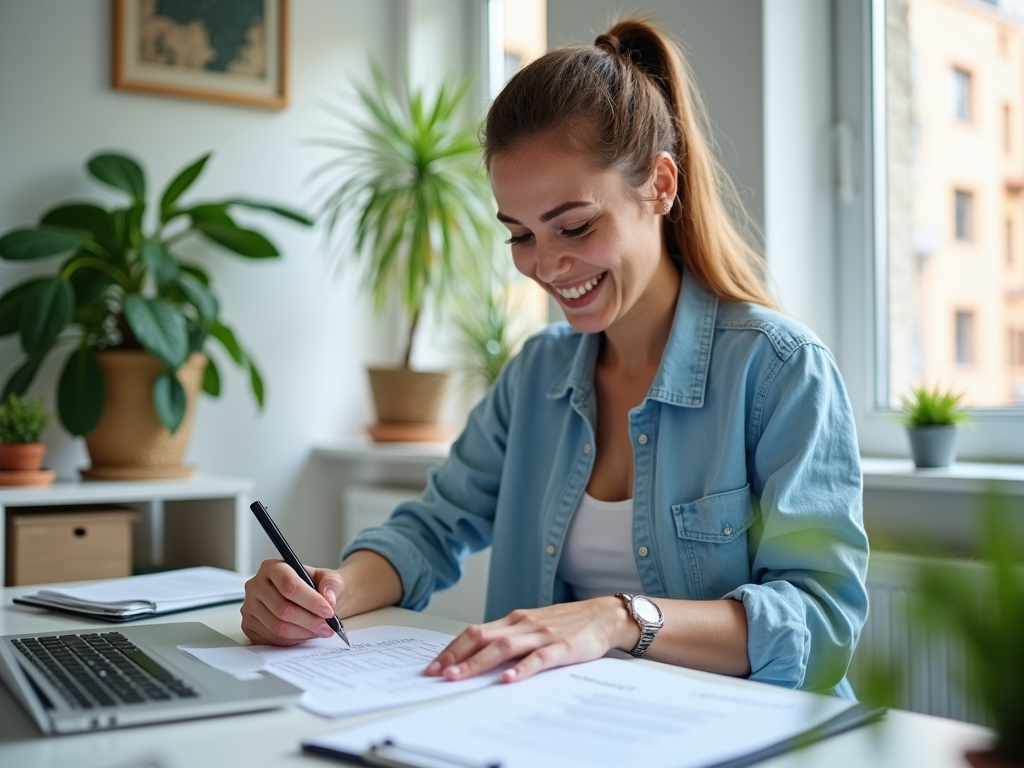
408	405
130	442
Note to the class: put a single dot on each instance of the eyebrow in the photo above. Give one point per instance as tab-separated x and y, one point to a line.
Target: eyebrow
545	217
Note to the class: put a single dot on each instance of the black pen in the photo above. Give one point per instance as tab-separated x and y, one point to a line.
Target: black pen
289	557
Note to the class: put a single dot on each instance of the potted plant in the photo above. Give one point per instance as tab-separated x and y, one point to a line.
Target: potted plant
136	317
408	182
21	453
931	417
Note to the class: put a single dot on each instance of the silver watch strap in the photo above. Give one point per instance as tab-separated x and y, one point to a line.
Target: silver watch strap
647	631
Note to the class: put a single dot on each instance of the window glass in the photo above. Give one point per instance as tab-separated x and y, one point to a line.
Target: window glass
955	199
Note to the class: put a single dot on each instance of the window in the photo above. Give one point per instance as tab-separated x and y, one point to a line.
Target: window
1016	348
964	338
963	204
1009	242
961	87
1007	129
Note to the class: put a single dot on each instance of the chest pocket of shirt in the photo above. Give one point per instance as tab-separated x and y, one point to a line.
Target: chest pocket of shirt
713	532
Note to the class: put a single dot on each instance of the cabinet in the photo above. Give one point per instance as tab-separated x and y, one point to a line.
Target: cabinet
203	520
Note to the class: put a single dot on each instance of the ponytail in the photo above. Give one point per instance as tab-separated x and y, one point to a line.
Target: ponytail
620	102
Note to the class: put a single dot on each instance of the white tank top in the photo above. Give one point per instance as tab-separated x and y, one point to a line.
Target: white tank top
597	557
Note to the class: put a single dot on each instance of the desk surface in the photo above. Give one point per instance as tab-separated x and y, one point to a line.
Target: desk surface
901	740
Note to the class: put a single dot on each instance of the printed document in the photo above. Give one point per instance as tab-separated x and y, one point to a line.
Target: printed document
607	712
383	669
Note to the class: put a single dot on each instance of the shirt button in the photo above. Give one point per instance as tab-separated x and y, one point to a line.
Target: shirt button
586	448
642	439
727	530
642	551
551	549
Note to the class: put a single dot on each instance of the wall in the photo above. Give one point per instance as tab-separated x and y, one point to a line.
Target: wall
309	330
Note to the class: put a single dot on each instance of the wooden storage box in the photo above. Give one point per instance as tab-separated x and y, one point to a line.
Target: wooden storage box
48	545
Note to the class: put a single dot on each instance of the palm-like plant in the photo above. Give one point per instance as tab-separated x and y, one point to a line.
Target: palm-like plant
409	185
120	286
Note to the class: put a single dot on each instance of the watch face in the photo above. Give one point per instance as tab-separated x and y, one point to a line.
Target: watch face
646	610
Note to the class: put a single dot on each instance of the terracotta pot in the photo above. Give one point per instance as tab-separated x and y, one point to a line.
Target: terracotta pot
22	457
405	398
988	759
130	441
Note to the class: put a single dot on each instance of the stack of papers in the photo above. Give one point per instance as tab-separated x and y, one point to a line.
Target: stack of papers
143	596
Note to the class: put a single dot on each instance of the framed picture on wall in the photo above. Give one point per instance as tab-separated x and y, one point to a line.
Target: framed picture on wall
222	50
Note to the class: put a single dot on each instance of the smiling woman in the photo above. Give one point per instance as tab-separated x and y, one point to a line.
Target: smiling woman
673	473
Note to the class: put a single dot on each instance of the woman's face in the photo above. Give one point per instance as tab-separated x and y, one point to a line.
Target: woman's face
582	234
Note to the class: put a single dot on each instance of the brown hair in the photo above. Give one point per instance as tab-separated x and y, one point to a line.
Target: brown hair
621	101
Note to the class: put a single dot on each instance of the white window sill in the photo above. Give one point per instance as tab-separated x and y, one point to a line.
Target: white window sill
962	477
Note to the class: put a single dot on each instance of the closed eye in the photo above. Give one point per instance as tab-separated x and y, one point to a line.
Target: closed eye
578	231
518	239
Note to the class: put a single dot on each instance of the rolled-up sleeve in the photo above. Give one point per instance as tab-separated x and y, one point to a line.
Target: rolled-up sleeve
426	538
806	603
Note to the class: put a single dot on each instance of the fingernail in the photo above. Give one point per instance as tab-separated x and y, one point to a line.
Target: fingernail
433	667
510	675
326	611
452	671
325	631
331	597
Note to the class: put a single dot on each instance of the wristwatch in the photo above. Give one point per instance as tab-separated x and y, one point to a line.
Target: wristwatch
648	615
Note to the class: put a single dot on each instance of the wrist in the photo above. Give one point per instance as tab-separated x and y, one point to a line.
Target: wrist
625	630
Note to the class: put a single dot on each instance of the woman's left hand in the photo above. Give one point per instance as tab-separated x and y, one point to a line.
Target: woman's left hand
541	638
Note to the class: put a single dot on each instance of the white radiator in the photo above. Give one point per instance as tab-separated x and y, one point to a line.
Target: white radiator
931	667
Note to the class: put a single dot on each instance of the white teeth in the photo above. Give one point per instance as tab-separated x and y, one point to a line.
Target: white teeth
580	290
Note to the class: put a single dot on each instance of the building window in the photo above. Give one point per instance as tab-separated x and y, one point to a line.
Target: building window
961	85
1016	348
1009	242
1007	128
963	204
964	338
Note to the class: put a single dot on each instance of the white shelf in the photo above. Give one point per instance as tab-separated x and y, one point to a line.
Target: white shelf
358	448
961	477
119	491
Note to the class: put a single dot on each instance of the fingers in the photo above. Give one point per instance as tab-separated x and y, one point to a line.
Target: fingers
484	646
328	583
281	609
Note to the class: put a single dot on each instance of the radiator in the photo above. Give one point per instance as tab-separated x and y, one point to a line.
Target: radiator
931	667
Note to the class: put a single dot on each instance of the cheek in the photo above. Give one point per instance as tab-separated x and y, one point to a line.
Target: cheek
524	263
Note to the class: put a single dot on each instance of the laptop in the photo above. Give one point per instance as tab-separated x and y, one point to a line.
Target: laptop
91	679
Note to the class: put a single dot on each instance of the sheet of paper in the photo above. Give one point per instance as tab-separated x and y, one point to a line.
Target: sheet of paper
167	590
604	713
236	660
383	669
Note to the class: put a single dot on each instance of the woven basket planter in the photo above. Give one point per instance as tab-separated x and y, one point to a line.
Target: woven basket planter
408	405
130	442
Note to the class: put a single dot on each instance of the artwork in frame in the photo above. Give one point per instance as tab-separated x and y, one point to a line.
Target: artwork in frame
221	50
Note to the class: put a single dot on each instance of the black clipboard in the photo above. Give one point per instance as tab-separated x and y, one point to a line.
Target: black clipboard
114	619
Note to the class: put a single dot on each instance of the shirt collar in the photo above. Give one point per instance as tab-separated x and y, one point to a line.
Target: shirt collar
683	373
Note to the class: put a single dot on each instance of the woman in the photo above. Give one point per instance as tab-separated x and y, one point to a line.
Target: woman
680	439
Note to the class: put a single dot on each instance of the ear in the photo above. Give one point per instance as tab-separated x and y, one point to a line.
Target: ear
665	178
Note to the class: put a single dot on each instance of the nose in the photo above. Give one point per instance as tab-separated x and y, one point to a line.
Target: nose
551	262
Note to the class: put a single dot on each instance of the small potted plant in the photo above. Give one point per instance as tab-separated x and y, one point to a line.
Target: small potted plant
133	319
408	190
932	417
22	423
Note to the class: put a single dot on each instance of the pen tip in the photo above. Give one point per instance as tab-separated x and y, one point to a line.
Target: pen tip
343	636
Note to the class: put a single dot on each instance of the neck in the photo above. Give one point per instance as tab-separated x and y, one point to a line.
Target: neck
637	341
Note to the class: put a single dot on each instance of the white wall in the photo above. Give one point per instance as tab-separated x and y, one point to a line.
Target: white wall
309	331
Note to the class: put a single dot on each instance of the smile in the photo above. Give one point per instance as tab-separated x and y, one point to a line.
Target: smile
580	290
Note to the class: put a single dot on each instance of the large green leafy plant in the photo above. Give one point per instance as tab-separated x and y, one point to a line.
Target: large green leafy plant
120	285
408	182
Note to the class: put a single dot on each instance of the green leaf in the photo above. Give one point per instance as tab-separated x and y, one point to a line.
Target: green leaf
11	304
200	296
178	186
47	309
159	327
128	226
211	378
212	212
19	381
88	283
196	272
197	334
257	384
283	212
119	172
159	262
244	242
81	392
38	243
226	337
85	217
169	400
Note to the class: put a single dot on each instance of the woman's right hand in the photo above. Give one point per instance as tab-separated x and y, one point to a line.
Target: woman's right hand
281	609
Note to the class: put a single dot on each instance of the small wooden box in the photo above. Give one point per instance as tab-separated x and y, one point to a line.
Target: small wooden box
69	544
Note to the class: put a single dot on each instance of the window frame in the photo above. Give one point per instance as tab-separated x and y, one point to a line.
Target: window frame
861	233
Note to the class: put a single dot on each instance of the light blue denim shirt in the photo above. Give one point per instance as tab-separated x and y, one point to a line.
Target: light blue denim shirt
747	485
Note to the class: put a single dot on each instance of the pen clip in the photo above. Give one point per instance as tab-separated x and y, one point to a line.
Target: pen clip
387	754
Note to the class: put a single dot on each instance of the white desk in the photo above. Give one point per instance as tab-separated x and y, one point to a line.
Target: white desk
202	520
902	740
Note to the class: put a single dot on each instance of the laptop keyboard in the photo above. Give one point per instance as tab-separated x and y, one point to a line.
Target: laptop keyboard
101	670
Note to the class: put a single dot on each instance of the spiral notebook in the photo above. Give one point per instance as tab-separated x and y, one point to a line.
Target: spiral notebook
138	597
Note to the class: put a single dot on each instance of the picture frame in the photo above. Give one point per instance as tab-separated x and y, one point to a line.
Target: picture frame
231	51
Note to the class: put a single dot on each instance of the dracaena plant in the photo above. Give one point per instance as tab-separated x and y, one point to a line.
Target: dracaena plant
120	285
